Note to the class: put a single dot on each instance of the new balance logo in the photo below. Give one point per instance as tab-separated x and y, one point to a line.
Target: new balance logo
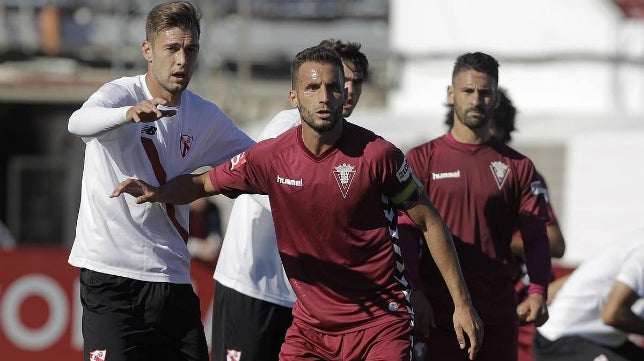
290	182
148	129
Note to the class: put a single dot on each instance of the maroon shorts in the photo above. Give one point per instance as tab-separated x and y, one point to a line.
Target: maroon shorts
526	335
384	342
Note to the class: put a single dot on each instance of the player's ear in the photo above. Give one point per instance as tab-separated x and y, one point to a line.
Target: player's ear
292	97
450	95
497	98
146	49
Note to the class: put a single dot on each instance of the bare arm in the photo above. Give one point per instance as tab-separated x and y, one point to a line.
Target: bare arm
441	246
617	310
181	190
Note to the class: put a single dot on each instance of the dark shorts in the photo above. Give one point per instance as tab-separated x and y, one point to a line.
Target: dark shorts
245	328
572	348
131	320
499	344
384	342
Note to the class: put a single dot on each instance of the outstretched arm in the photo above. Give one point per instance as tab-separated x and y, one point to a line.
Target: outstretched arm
181	190
441	246
617	311
93	120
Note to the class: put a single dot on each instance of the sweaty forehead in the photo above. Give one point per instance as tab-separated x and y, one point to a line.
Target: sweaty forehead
318	72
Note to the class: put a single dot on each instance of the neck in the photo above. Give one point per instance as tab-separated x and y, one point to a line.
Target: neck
318	143
157	91
466	135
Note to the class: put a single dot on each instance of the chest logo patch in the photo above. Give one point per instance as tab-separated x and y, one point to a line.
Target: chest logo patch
185	142
500	172
344	174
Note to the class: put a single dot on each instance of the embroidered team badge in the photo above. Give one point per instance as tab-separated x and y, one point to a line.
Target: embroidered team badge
97	355
233	355
185	141
500	172
344	174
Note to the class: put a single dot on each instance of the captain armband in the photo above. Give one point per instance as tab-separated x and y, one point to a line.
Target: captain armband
409	195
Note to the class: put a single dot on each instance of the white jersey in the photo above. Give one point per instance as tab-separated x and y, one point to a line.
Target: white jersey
249	261
142	241
576	309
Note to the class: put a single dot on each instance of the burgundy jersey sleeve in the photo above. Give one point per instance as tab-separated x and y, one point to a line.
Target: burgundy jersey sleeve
244	173
532	225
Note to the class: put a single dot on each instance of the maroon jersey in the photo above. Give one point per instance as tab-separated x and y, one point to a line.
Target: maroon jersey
335	223
484	193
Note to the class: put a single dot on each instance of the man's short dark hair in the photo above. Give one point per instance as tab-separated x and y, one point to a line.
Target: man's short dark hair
349	52
478	61
319	54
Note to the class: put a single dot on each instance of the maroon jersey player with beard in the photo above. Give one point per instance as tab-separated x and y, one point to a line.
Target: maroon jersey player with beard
484	190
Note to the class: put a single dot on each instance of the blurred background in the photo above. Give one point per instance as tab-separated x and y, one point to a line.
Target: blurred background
574	69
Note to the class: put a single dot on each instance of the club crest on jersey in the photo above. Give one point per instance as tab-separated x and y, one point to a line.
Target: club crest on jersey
185	142
237	160
97	355
500	172
233	355
344	174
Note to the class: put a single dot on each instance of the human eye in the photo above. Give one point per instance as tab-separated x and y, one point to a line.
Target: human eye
172	48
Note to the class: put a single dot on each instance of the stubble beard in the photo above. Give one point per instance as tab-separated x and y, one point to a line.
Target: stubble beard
320	126
473	122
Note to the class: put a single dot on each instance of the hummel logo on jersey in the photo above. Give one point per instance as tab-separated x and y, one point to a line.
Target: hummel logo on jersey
185	142
233	355
500	171
148	129
97	355
290	182
344	174
455	174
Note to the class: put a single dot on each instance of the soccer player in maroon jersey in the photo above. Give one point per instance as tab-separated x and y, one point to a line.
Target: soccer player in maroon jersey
484	190
502	125
334	190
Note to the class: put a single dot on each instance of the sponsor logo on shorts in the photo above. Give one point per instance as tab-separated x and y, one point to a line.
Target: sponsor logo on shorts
97	355
233	355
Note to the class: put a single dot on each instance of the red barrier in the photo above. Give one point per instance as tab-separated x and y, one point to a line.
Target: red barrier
40	310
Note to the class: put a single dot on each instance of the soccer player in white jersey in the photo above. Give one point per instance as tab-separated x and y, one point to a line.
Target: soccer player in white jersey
138	303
